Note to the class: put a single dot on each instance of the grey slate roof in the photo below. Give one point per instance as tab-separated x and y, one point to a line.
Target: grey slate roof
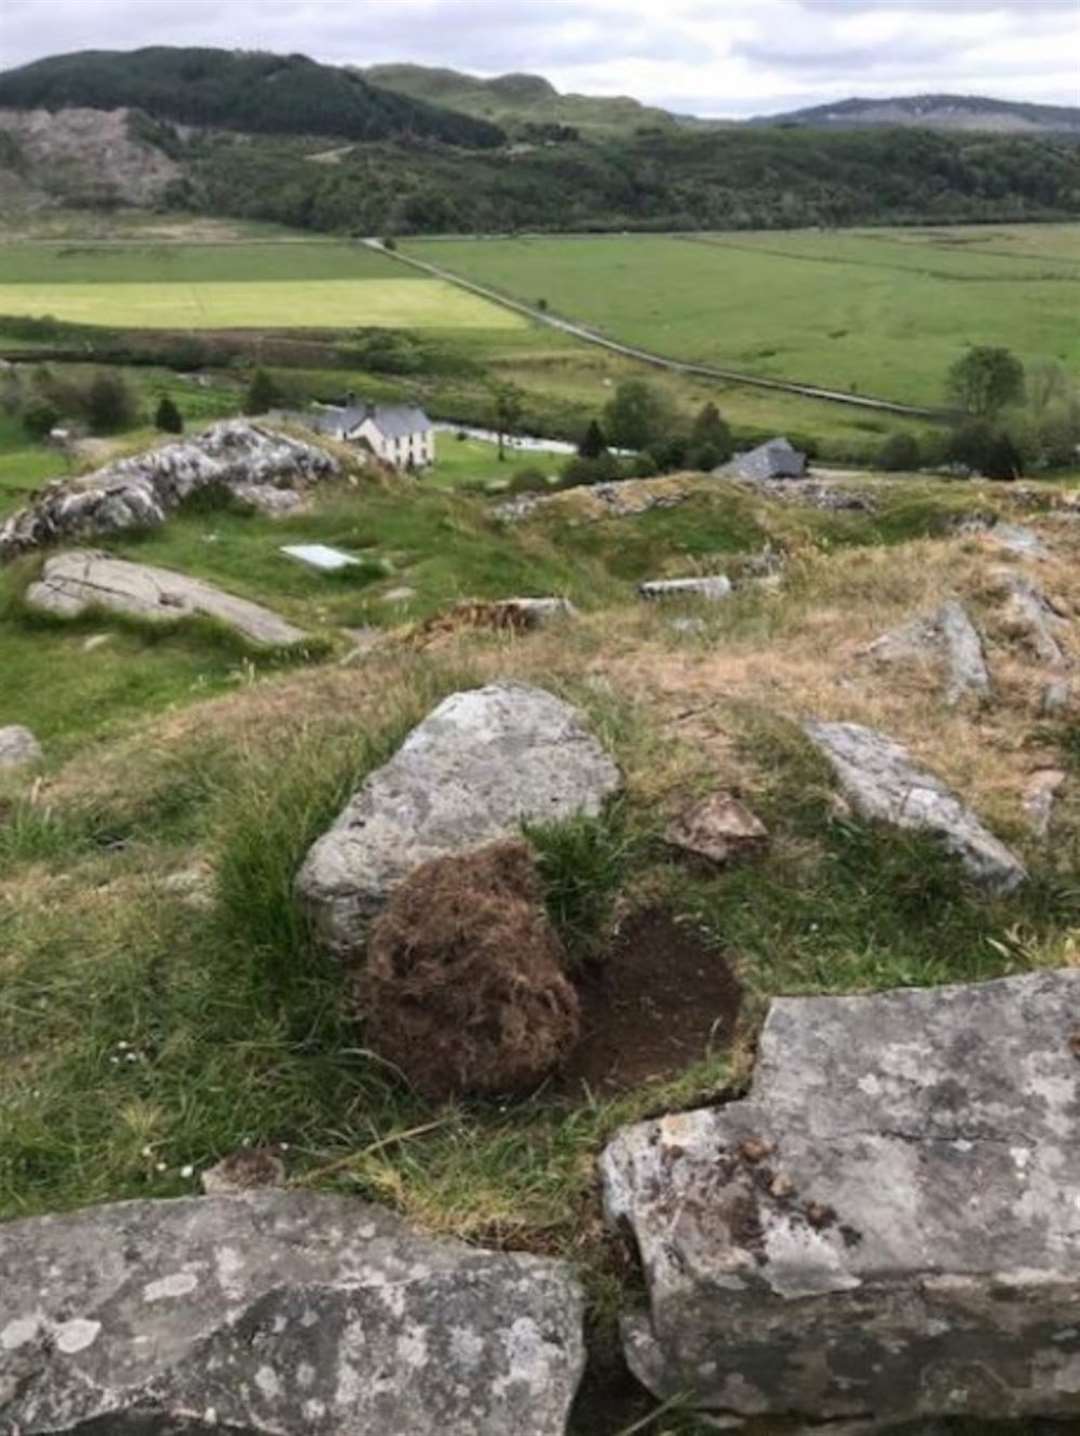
777	459
396	421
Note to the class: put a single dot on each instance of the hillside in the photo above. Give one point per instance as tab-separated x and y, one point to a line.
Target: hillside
235	90
937	112
517	102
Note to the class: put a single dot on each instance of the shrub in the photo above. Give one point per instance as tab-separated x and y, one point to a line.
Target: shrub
110	403
262	394
590	471
168	417
464	989
528	481
899	453
39	418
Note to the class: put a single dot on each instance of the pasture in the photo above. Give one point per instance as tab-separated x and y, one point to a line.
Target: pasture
233	286
879	312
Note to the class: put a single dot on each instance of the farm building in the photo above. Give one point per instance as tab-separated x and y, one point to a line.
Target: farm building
400	434
777	459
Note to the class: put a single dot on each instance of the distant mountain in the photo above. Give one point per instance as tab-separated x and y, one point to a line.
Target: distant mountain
237	90
936	112
517	102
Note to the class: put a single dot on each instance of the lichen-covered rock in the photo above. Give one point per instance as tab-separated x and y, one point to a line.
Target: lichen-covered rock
277	1313
1034	617
881	781
236	456
18	747
711	588
947	634
482	763
885	1229
80	580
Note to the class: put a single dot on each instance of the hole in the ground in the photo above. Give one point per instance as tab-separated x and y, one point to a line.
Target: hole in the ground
662	999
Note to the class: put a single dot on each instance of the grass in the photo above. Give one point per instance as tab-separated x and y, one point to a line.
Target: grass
873	312
234	286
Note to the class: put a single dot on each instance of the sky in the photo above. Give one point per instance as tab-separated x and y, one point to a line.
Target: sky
708	57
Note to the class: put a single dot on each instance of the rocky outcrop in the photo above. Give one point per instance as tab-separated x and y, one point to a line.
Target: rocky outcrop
948	635
885	1229
236	456
1040	798
1034	617
481	764
18	747
81	580
711	588
277	1312
90	156
883	784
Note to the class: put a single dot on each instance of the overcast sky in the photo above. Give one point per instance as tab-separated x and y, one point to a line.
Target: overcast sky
711	57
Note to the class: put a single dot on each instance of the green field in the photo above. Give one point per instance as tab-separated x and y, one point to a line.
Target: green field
233	286
872	312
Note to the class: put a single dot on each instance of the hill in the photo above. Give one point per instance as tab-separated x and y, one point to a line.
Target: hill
518	103
235	90
937	112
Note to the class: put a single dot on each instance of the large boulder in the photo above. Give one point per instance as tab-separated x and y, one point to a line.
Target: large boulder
885	1229
482	763
81	580
947	635
18	747
882	782
277	1313
235	456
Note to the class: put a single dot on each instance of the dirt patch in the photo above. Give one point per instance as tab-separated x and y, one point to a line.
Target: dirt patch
659	1002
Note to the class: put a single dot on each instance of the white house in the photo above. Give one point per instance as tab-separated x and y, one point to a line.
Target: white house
400	434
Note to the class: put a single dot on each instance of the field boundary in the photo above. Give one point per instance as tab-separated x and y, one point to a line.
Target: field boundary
659	361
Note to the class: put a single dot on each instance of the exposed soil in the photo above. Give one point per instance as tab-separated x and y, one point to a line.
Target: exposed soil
661	999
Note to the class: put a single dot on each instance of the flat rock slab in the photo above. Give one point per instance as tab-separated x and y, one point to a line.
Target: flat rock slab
18	747
481	764
277	1313
878	776
80	580
886	1229
713	588
948	635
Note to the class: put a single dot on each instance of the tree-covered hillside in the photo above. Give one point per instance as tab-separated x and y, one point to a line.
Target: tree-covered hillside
236	90
728	179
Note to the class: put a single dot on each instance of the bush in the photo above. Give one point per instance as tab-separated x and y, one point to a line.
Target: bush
464	990
39	419
110	403
991	452
578	471
899	453
263	393
528	481
168	417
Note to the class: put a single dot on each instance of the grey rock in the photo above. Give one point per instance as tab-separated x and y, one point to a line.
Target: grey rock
885	1229
18	747
141	492
274	1314
693	626
882	783
719	829
273	503
1055	697
1019	540
482	763
713	588
243	1171
1040	796
948	634
74	582
1032	613
776	459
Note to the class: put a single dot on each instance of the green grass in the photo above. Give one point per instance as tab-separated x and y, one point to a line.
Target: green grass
873	312
233	286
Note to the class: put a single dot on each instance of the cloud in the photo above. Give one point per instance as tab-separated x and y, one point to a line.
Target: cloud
749	56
